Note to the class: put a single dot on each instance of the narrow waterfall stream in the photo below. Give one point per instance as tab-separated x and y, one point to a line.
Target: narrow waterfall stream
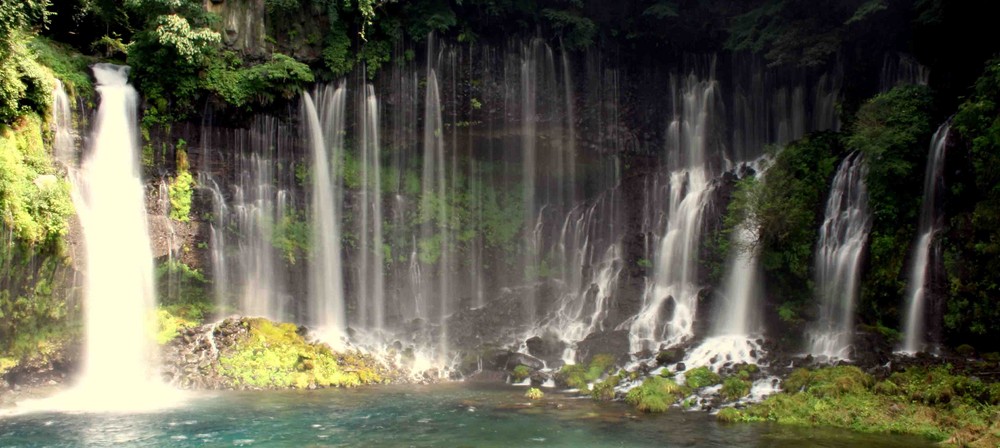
842	239
914	336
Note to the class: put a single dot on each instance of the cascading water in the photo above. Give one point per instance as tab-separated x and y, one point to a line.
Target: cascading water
842	239
120	366
669	304
326	289
433	208
737	323
914	339
62	125
371	272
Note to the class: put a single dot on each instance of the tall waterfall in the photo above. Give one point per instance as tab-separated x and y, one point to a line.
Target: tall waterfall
326	289
736	324
914	338
670	301
120	365
371	272
435	301
842	238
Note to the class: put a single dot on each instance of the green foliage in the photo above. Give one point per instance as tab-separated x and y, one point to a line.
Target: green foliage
605	390
70	67
785	209
181	189
734	388
893	131
34	204
241	85
577	376
183	291
577	31
729	415
931	403
25	85
656	394
520	373
701	377
534	393
972	255
271	355
169	326
291	236
832	381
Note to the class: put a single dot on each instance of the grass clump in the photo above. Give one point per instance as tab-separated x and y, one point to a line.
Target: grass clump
729	415
701	377
734	388
932	403
534	393
271	355
520	373
605	390
656	394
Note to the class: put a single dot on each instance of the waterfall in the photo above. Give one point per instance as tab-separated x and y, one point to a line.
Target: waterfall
63	143
842	238
669	304
737	323
914	339
435	232
371	275
120	367
326	289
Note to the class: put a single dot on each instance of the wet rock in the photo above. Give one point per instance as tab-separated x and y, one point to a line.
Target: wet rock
614	343
680	367
521	359
669	356
547	347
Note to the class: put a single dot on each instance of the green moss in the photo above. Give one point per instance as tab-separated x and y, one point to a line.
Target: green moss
181	188
729	415
291	236
832	381
271	355
656	394
534	393
605	390
520	373
701	377
577	376
734	388
168	325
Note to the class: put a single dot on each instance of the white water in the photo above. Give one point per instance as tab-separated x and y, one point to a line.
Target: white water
326	289
675	278
916	290
842	238
63	144
120	368
435	230
371	278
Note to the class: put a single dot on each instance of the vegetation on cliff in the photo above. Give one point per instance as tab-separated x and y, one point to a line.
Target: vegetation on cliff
272	355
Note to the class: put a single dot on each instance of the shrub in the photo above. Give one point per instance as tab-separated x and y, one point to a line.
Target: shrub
534	393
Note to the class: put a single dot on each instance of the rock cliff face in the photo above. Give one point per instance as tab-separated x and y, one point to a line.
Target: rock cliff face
248	27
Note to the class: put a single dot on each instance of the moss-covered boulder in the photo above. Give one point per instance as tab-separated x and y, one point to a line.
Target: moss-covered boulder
256	353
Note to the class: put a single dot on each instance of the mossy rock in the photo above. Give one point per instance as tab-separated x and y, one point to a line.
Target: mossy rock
701	377
272	355
576	376
520	373
605	390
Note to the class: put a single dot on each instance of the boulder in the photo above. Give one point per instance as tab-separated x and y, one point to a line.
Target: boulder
614	343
